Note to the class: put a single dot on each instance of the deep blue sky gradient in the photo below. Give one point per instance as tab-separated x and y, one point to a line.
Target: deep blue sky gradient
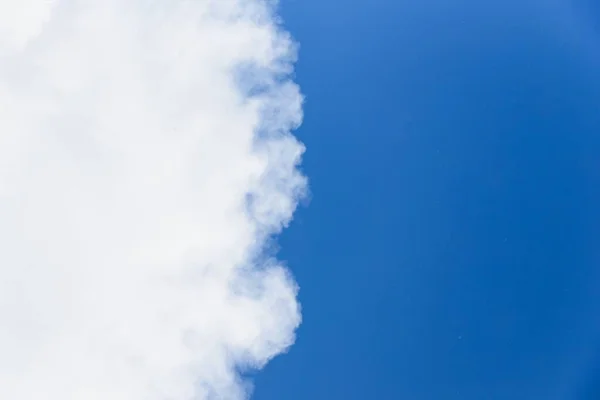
451	247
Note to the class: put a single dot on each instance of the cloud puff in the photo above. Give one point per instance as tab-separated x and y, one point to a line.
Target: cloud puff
145	160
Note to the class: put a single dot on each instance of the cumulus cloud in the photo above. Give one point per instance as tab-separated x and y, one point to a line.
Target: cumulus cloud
145	161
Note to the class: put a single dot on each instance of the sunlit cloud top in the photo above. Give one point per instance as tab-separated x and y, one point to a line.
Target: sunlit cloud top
145	159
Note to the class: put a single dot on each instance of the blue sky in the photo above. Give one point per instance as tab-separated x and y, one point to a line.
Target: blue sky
450	248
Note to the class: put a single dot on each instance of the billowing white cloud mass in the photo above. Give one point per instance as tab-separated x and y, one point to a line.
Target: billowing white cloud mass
145	160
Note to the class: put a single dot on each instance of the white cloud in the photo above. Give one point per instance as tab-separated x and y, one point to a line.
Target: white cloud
145	158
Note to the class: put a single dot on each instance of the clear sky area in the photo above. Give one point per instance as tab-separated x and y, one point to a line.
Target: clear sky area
450	249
